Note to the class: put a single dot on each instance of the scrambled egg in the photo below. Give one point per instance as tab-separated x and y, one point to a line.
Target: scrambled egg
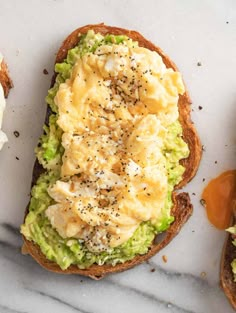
114	111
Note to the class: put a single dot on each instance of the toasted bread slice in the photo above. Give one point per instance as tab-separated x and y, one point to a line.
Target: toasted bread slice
226	276
5	79
182	208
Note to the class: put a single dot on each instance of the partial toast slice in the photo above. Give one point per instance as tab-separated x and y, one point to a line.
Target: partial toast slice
5	79
182	208
226	275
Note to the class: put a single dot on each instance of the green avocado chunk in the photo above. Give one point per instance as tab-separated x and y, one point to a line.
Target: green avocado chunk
49	153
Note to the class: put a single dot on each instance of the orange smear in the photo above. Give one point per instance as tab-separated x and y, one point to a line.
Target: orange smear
220	199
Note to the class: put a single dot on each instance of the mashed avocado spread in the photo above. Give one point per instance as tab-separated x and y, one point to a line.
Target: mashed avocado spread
37	226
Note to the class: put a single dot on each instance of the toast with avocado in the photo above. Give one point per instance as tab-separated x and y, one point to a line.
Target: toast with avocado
118	143
228	266
5	79
5	86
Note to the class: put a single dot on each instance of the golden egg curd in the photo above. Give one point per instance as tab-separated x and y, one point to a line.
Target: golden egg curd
114	111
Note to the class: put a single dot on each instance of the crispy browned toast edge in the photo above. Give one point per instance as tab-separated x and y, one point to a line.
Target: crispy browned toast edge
182	208
5	79
226	274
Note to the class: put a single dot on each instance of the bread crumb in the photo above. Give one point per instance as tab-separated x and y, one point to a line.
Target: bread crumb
45	71
203	202
24	249
203	274
164	258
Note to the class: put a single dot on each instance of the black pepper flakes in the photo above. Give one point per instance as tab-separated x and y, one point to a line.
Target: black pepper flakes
199	64
16	133
45	72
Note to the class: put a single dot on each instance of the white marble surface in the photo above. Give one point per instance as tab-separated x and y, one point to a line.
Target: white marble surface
190	32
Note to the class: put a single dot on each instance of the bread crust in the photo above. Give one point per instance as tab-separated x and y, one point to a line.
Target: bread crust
226	274
182	207
5	79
